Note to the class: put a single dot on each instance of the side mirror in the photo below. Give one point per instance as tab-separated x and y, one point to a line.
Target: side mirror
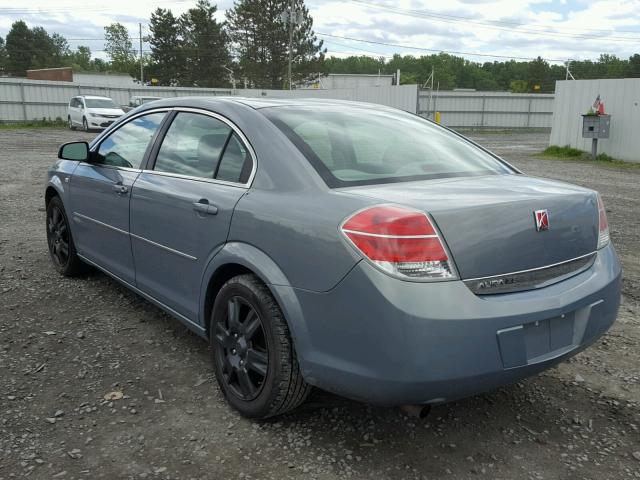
77	151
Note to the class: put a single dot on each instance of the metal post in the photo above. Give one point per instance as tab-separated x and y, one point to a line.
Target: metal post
24	105
529	113
482	115
290	39
594	148
141	69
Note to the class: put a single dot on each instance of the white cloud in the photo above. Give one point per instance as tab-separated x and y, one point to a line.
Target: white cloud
555	30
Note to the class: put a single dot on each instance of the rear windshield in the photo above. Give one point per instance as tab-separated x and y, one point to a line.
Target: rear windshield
361	146
100	103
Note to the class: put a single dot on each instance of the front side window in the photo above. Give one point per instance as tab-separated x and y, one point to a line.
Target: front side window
126	147
193	145
360	146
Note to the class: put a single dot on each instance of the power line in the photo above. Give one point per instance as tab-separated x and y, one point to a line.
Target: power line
434	50
456	19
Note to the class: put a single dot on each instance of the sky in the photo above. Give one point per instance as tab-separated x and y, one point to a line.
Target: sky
479	30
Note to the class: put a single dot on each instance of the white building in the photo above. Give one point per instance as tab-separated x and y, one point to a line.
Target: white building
352	80
621	99
105	79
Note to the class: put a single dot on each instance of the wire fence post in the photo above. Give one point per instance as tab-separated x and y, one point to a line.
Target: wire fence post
24	103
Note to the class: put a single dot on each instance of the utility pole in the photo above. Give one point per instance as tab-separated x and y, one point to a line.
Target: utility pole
568	72
291	20
141	68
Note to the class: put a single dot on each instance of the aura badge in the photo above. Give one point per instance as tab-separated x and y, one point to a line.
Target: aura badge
542	220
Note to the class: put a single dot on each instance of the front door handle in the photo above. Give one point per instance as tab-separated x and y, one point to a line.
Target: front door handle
120	189
203	206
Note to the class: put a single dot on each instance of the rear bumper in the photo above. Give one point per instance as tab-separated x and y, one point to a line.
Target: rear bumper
390	342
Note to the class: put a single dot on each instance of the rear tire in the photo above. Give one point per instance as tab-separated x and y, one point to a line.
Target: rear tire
253	356
61	247
71	127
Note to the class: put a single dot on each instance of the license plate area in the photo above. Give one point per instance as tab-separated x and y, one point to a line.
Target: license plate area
536	341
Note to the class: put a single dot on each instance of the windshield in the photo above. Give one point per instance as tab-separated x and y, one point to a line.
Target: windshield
360	146
100	103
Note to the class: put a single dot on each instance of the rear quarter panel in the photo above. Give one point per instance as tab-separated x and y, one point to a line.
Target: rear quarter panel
299	232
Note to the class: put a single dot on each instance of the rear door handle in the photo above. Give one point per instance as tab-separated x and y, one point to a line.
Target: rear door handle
120	189
203	206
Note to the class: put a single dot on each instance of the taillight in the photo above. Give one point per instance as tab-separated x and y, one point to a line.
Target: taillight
603	225
400	241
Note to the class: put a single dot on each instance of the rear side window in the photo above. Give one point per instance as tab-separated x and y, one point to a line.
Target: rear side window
126	147
360	146
193	145
235	165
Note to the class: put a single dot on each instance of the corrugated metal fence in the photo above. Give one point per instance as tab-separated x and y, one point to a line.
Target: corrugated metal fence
22	99
621	98
488	109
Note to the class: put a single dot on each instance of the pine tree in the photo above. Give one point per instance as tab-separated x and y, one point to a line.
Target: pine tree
259	36
167	57
204	43
19	45
3	56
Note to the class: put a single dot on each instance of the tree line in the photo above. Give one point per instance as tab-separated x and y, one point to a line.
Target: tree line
250	47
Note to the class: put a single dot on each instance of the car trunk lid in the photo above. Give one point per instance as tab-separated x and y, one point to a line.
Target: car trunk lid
488	223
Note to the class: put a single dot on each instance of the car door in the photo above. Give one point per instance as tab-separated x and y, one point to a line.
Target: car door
181	207
100	193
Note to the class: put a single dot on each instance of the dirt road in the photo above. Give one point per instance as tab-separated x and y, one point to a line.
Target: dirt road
65	344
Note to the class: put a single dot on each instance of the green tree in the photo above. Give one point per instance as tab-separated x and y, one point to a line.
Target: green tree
3	56
167	56
19	46
43	49
119	48
260	40
519	86
60	48
634	66
204	42
80	59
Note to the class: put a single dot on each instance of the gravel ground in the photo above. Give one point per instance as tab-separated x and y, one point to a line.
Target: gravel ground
66	343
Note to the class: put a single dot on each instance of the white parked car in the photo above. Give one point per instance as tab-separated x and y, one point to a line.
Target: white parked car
92	112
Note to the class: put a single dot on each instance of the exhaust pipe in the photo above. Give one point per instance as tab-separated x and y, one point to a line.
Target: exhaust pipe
416	411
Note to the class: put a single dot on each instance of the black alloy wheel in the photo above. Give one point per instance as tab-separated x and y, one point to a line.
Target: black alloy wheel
58	236
254	358
60	241
242	349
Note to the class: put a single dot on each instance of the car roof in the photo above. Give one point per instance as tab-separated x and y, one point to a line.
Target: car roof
261	102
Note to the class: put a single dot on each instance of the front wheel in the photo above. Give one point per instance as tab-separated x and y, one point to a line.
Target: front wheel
254	359
85	124
61	247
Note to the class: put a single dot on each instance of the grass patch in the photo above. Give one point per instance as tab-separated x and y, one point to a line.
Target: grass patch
567	153
44	123
562	152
